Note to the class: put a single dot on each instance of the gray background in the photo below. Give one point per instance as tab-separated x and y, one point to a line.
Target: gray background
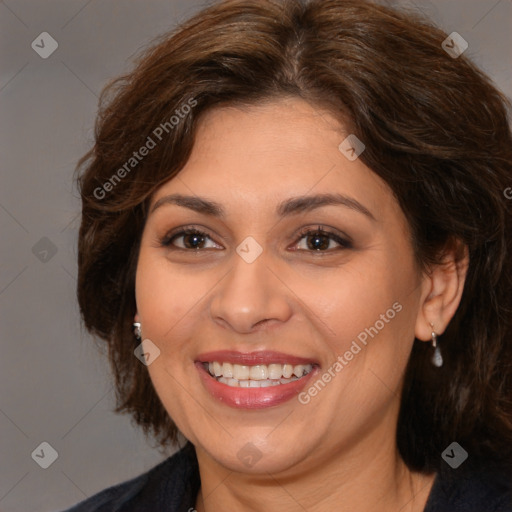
55	384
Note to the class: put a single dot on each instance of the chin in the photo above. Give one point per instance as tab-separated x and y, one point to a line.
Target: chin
255	455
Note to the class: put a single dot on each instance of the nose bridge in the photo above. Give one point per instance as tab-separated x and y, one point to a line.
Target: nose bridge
250	293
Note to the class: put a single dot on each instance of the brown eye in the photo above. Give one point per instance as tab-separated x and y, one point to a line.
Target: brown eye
319	240
192	239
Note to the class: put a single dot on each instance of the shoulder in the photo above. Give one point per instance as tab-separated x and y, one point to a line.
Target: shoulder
474	486
171	485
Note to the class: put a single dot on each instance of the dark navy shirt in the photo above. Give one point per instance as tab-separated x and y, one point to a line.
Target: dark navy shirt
172	486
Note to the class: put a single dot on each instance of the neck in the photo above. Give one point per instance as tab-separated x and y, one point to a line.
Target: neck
358	479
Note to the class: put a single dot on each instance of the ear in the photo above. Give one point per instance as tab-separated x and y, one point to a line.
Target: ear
442	288
136	317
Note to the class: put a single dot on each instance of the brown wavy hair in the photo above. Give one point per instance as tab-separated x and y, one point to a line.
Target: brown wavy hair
436	130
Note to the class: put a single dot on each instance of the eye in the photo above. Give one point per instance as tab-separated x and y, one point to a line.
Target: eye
192	239
319	240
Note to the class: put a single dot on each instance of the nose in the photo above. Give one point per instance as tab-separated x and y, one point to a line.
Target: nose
250	297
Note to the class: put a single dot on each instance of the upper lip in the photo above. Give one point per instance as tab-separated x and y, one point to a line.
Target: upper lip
253	358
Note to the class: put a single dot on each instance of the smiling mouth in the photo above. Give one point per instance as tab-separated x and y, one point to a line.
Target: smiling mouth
256	376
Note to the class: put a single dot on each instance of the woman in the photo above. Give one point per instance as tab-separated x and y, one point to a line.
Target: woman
296	243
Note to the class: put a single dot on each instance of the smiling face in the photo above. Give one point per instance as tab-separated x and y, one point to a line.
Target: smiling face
344	301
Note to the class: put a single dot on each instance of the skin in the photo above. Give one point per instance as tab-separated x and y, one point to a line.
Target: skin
339	449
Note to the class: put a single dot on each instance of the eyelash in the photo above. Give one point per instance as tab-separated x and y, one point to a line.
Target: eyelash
190	230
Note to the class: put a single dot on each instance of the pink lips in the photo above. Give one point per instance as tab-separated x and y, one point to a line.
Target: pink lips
252	398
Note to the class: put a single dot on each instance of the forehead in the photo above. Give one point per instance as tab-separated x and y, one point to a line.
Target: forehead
253	157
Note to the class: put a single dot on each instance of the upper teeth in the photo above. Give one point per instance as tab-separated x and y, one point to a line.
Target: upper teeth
257	372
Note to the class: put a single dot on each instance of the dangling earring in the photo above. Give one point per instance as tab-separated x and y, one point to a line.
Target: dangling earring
437	358
136	331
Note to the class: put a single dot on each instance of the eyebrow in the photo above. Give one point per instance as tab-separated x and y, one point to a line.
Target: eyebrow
291	206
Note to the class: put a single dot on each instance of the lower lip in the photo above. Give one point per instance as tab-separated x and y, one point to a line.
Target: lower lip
253	398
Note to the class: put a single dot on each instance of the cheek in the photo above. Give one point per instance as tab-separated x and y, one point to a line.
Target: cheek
370	303
164	296
369	310
165	302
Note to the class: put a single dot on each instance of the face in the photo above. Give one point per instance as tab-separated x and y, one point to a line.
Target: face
305	310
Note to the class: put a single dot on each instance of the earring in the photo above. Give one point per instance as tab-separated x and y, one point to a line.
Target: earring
437	358
136	331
